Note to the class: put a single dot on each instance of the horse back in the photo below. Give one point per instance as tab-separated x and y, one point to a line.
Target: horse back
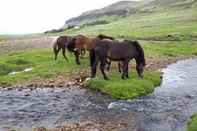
83	42
63	40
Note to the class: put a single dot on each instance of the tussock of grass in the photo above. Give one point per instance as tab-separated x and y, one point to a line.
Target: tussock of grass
126	89
192	125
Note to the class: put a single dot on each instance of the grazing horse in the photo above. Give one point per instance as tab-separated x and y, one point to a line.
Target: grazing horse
117	51
61	44
82	42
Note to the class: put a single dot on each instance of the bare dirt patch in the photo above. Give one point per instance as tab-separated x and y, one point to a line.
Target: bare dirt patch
23	43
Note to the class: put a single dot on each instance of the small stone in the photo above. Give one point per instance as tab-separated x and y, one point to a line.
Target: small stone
9	88
27	94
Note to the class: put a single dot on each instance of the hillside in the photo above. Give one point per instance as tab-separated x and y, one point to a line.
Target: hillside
154	20
126	8
119	9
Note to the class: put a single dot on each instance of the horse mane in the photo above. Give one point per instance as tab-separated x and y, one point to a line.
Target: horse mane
101	36
139	48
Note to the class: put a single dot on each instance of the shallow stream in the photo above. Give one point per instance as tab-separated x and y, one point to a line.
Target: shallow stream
167	109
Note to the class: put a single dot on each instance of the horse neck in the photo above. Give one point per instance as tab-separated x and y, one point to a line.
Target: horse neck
88	43
140	59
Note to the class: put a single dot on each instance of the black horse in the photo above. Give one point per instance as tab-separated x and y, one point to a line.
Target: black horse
117	51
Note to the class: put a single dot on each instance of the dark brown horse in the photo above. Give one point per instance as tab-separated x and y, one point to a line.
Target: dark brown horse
81	42
61	44
117	51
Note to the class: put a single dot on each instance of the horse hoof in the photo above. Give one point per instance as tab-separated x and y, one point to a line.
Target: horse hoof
140	77
92	76
106	78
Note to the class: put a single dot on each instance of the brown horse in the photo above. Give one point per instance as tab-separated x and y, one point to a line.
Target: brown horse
117	51
61	43
81	42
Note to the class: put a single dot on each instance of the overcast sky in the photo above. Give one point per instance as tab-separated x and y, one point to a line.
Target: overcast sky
32	16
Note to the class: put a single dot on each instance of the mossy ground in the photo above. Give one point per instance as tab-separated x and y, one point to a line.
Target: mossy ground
126	89
192	125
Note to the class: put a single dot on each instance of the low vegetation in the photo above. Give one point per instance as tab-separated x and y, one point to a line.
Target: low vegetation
192	125
126	89
162	24
42	62
99	22
44	66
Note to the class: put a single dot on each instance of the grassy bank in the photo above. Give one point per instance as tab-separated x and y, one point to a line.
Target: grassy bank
134	87
126	89
192	125
171	49
44	67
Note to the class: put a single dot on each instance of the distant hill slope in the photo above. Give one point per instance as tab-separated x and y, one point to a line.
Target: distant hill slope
120	9
171	3
150	20
126	8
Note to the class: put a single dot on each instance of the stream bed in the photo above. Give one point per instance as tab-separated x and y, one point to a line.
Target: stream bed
167	109
171	105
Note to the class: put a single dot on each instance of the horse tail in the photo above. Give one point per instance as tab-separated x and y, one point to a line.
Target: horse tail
141	51
55	46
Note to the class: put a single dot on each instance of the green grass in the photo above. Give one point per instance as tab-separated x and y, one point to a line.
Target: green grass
126	89
44	67
42	62
170	49
167	24
192	125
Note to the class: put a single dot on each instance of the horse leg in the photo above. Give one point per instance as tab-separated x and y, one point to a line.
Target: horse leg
77	57
93	68
64	54
83	52
127	70
102	67
56	53
124	68
92	57
108	64
119	67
